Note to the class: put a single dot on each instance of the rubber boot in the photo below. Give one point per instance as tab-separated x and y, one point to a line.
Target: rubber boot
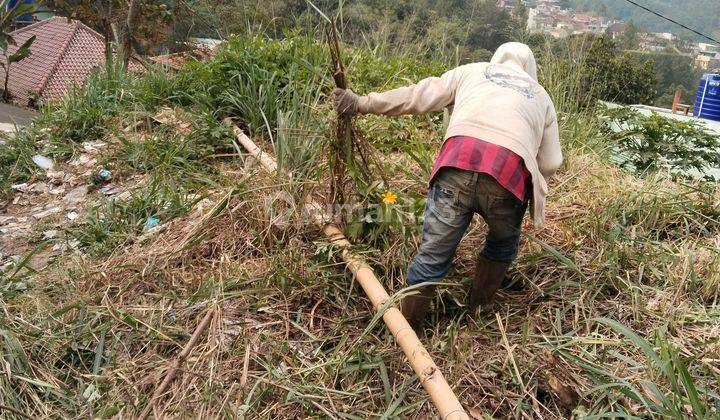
488	277
415	307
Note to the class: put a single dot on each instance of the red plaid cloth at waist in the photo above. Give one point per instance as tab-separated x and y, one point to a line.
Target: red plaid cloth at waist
471	154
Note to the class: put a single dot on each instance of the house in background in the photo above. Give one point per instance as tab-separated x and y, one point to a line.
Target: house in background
64	54
707	56
510	4
549	17
652	42
616	30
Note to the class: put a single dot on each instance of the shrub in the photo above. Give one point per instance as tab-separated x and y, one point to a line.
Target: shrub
649	144
618	77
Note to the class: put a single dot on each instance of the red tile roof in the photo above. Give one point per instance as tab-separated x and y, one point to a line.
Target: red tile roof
64	53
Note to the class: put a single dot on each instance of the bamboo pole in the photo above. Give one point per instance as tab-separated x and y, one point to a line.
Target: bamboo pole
177	363
427	371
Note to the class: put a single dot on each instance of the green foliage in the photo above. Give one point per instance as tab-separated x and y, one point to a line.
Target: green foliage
561	71
674	72
372	72
630	38
110	97
582	69
685	398
265	84
450	31
169	156
493	28
83	115
301	132
16	152
649	144
406	133
208	135
22	52
617	77
608	73
157	87
8	17
275	88
112	222
384	215
254	78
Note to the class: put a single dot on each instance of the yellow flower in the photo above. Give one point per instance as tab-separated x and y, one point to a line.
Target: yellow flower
389	197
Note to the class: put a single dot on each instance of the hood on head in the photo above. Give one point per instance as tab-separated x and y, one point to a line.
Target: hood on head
518	56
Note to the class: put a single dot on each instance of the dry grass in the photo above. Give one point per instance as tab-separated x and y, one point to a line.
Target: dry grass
289	336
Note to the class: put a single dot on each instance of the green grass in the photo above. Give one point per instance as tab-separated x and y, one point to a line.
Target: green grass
112	222
16	165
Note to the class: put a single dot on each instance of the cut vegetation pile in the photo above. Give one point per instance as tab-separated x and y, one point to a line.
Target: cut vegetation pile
612	309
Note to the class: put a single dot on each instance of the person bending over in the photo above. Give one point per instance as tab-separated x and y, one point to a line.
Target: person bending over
501	146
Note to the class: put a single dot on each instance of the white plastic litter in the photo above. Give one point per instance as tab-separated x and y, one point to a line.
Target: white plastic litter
43	162
50	234
24	187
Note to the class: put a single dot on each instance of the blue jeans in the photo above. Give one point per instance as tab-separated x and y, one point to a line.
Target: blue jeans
455	195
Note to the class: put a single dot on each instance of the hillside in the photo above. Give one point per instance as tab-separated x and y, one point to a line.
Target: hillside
701	15
611	311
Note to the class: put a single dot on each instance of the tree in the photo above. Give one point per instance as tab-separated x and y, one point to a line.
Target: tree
8	17
520	16
450	30
674	72
126	50
491	27
118	21
630	39
612	75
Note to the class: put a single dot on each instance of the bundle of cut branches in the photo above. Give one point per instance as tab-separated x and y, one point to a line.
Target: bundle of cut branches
350	152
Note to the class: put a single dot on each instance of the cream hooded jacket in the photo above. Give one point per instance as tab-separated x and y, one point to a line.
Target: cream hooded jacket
499	102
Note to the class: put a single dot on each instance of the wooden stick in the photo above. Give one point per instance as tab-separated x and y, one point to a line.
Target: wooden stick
14	411
342	148
172	372
427	371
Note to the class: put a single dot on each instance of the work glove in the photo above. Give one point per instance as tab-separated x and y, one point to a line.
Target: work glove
345	101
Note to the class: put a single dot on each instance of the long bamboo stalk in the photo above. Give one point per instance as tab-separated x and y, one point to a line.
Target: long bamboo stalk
427	371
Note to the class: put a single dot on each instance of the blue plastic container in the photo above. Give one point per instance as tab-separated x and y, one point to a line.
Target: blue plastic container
707	101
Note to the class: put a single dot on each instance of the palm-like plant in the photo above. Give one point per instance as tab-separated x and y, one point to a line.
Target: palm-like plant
8	16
